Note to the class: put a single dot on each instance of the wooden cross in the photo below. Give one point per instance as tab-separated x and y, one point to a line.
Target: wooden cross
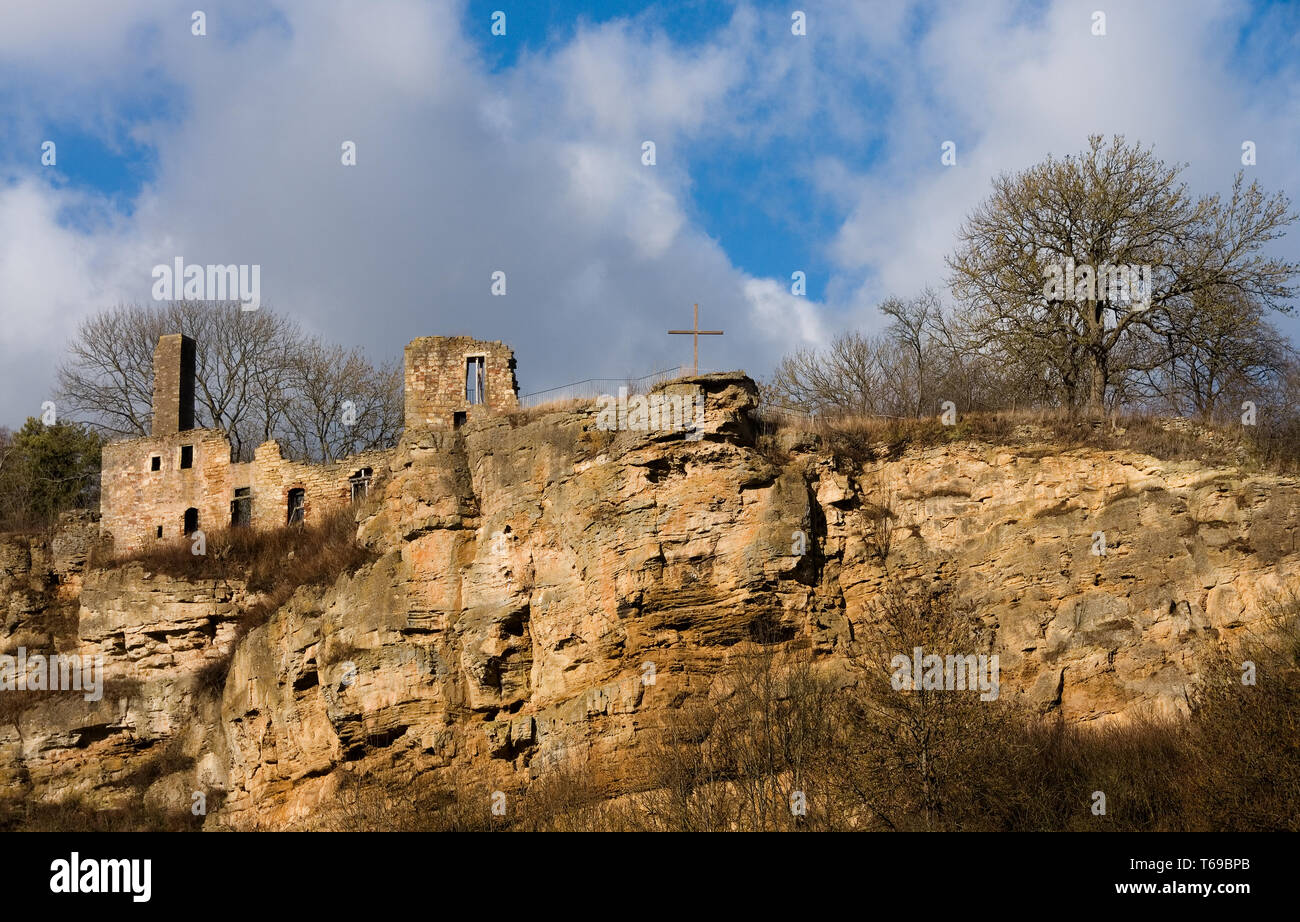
697	333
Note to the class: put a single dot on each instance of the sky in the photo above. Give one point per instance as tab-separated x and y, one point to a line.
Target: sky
523	153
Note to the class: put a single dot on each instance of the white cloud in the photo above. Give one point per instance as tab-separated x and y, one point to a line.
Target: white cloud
784	318
537	170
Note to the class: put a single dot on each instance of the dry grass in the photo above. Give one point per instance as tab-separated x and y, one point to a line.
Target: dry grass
526	415
265	560
29	816
273	563
863	439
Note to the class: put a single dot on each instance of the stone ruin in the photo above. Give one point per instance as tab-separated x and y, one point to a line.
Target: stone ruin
180	479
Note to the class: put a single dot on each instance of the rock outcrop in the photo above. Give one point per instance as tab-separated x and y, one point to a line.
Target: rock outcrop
546	590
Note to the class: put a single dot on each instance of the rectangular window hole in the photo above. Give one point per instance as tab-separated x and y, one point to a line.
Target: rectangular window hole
241	508
474	384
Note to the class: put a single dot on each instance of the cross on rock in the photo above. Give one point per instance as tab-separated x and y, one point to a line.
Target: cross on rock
696	333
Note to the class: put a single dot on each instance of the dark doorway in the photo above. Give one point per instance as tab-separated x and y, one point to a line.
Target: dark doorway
458	419
241	508
297	506
191	521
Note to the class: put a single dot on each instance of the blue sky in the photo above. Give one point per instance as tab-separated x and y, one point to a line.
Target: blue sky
521	152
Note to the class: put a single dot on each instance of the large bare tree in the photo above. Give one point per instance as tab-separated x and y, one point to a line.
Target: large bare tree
1115	204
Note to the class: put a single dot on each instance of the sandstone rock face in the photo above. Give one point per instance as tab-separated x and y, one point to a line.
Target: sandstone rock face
151	636
548	591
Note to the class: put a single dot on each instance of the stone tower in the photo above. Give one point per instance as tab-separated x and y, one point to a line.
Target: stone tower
449	379
173	384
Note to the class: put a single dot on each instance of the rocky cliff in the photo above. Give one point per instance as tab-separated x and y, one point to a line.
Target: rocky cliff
545	590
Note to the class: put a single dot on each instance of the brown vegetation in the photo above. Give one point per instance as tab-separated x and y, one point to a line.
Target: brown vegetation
863	439
273	561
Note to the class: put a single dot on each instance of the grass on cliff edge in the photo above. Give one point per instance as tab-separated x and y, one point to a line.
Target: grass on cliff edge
1272	446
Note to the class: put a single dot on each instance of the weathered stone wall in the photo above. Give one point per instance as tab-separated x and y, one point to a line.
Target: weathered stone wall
435	380
325	486
136	500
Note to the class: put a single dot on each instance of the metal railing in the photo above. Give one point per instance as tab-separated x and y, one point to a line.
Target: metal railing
594	387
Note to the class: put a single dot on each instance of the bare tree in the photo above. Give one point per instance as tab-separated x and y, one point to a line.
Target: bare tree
238	354
1222	347
849	377
1112	205
925	356
107	378
913	321
257	378
751	757
340	403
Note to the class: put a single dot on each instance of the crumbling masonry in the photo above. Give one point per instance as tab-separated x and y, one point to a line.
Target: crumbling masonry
180	479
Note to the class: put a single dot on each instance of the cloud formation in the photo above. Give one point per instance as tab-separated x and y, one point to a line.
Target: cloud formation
536	169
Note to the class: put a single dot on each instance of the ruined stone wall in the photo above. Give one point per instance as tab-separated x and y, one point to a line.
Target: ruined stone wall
435	380
325	486
136	499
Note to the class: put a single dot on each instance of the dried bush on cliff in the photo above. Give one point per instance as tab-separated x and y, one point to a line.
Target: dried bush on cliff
864	755
263	559
752	756
919	758
1245	731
